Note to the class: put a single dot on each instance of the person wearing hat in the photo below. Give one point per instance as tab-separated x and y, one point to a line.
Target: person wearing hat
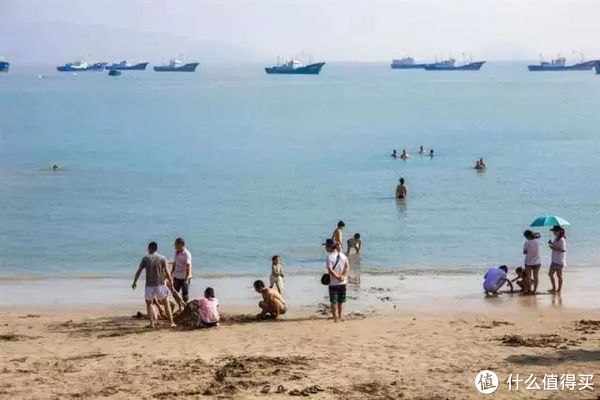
337	267
337	234
558	258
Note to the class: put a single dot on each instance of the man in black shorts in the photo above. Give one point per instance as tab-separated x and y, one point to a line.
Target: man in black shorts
337	266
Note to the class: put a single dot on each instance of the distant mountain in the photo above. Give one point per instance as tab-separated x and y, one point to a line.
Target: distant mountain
59	42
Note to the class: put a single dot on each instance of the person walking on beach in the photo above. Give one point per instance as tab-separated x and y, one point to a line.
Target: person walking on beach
182	269
156	274
338	267
276	278
401	190
337	234
272	304
532	262
558	258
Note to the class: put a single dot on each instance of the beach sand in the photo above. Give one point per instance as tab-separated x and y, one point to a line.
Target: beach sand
402	353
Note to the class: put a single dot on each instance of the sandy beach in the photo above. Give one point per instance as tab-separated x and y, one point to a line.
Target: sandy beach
411	353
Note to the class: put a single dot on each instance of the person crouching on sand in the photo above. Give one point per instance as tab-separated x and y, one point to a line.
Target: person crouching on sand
338	267
156	274
276	278
521	278
208	315
494	279
272	304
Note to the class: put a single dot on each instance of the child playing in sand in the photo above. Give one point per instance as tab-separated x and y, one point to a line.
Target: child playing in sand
521	277
276	278
208	315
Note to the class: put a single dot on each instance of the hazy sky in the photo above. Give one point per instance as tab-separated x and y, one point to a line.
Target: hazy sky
331	30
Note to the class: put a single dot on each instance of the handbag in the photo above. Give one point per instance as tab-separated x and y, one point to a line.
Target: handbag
326	279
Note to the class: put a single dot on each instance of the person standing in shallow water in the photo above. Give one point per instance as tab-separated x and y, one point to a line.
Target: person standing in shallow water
532	262
401	190
337	234
156	275
182	269
559	257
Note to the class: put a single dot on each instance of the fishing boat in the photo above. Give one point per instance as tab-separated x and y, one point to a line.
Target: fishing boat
295	67
4	65
176	66
407	63
450	65
77	66
560	64
597	67
125	66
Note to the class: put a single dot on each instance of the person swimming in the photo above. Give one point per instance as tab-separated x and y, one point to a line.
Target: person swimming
431	154
480	165
404	155
421	150
394	154
55	168
401	190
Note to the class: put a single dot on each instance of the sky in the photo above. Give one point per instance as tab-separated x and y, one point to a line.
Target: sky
329	30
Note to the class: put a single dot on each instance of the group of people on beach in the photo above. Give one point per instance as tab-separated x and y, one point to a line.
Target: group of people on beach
405	155
160	281
528	276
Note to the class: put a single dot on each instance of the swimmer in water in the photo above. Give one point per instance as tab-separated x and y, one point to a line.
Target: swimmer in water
55	168
404	155
431	154
394	154
421	150
401	190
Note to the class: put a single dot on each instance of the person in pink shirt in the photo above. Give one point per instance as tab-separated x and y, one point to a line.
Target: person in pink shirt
208	315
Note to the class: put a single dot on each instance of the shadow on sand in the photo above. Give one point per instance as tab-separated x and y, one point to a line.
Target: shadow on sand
559	357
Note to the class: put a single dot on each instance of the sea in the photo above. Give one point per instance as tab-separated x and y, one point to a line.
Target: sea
244	165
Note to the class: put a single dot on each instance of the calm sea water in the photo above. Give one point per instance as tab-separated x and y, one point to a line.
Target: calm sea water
245	165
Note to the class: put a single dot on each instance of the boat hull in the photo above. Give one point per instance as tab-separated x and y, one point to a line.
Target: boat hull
71	68
4	66
191	67
475	66
408	66
311	69
585	66
114	72
135	67
597	67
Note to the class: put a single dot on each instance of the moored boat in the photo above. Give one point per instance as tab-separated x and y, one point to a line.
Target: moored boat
295	67
125	66
77	66
450	65
597	67
560	64
176	66
407	63
114	72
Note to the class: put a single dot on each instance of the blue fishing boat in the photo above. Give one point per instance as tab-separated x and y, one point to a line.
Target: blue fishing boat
597	67
295	67
114	72
77	66
4	65
407	63
450	65
125	66
176	66
560	64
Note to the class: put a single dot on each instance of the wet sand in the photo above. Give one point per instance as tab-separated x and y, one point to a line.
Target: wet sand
386	353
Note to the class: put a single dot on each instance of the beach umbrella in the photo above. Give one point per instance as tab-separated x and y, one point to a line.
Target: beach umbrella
549	220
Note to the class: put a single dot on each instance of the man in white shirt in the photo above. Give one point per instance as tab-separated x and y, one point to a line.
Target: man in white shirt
182	269
532	261
337	266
